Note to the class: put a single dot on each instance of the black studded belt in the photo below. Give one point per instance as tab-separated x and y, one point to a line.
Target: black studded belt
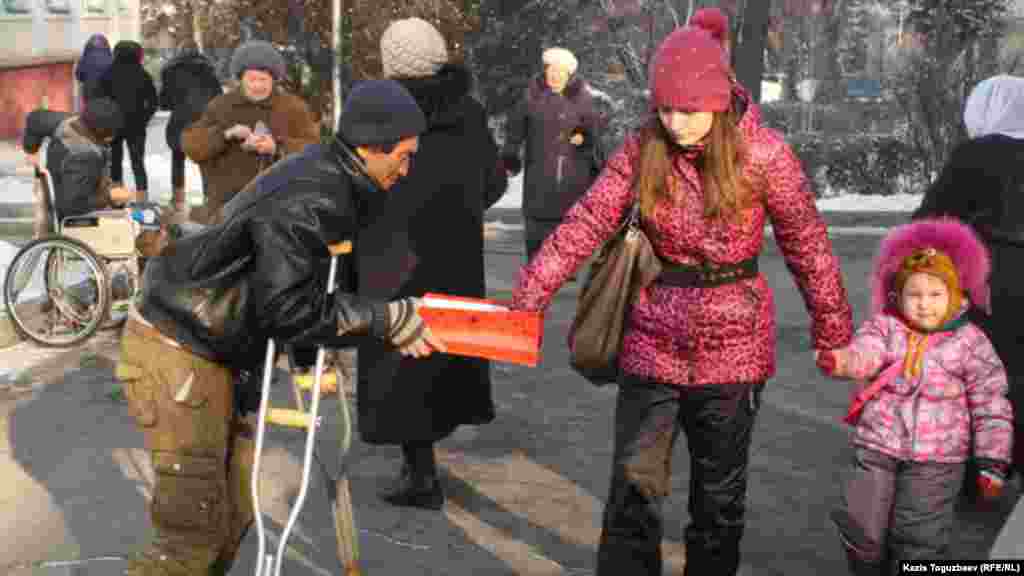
706	275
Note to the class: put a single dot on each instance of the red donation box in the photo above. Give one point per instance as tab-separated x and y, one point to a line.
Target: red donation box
484	328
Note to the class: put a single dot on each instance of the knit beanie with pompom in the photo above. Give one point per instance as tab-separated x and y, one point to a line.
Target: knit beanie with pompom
689	72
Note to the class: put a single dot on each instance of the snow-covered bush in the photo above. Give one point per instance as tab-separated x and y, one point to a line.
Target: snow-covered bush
866	164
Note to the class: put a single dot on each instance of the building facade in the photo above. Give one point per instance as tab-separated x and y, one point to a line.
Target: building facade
42	40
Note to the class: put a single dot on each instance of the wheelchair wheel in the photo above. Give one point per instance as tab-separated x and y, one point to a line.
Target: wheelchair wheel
57	292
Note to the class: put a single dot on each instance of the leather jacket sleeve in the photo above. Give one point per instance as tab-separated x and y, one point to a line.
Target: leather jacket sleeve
287	285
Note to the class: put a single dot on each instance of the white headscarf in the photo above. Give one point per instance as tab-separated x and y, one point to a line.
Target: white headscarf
996	106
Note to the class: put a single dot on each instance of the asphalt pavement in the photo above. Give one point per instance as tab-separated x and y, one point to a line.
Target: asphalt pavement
524	493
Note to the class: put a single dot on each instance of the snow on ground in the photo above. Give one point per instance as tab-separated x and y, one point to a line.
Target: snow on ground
18	189
513	198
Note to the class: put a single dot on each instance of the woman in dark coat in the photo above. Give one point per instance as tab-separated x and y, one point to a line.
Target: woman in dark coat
95	60
187	84
454	178
982	184
558	124
128	84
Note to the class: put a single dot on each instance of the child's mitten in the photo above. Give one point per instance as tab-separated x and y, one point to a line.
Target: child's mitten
991	479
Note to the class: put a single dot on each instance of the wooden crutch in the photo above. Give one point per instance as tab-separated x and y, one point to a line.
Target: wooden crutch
270	564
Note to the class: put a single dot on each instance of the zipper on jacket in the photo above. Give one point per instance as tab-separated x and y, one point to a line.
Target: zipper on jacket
558	170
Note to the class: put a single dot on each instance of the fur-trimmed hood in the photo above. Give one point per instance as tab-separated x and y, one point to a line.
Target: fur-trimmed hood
440	96
947	235
576	90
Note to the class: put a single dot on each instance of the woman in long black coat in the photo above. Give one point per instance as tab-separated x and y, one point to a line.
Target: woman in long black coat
982	184
187	84
132	87
439	207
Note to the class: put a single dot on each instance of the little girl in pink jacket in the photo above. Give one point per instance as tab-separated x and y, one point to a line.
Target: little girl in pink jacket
939	397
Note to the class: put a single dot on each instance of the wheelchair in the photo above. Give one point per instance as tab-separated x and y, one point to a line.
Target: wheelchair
60	289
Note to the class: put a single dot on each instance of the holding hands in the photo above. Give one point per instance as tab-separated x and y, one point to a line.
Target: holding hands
831	362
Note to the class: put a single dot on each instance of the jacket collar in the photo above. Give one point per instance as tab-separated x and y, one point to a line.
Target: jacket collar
76	125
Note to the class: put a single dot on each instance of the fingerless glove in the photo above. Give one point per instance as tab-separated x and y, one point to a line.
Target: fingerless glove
405	324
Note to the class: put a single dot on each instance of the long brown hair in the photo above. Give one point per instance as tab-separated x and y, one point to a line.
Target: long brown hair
726	191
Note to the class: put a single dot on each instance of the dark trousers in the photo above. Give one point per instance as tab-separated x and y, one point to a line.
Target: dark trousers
717	420
136	142
536	231
896	510
177	169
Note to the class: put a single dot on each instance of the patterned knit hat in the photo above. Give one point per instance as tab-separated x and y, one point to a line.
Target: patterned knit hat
714	22
934	263
689	72
560	57
412	48
258	55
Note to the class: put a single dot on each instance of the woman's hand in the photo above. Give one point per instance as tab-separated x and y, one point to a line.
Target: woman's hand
831	362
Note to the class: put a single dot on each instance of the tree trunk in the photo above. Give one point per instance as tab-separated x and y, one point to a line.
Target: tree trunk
748	54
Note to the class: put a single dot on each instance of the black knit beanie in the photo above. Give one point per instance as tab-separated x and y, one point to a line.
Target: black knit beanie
380	112
102	116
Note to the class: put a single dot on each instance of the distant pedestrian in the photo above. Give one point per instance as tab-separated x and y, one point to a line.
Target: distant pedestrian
941	399
699	343
96	58
557	126
245	130
982	184
131	86
440	206
187	84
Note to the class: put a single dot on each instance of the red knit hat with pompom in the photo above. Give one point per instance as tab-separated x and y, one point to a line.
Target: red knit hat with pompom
689	72
715	22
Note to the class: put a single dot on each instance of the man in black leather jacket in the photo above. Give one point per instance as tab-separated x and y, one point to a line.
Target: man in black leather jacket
211	300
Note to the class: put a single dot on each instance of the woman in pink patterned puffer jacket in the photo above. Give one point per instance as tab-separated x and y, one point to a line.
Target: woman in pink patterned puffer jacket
939	396
697	350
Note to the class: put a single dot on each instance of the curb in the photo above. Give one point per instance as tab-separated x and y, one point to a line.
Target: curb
8	333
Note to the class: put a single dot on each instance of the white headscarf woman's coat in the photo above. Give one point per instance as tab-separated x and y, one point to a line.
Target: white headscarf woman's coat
996	106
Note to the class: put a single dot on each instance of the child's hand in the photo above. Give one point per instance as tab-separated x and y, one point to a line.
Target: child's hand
990	484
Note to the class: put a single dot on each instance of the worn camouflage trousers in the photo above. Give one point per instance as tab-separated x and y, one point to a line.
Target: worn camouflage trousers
201	453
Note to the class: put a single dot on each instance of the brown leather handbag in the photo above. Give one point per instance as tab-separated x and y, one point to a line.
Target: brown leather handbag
626	264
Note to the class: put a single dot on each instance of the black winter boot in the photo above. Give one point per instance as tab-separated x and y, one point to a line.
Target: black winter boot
860	567
418	485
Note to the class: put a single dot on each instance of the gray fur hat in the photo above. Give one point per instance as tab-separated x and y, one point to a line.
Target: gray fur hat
259	55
